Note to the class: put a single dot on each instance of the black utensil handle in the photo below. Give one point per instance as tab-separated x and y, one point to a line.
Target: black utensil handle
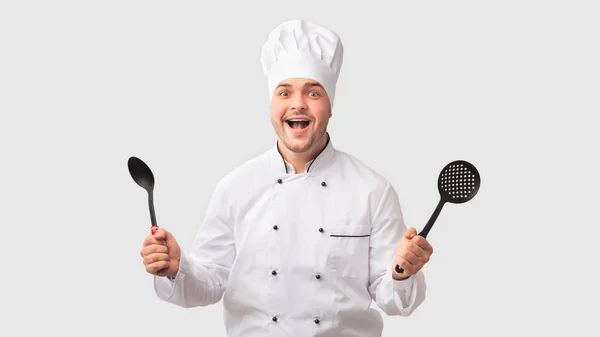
433	218
151	206
427	227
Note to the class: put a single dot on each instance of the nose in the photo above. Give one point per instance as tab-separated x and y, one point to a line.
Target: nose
298	103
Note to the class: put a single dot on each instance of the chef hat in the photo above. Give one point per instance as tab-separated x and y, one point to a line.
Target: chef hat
302	49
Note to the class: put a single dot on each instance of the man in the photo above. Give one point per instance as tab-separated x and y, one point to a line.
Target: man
299	240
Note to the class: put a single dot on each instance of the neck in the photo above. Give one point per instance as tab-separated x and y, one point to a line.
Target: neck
299	159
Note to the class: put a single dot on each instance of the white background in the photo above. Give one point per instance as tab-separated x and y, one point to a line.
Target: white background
511	86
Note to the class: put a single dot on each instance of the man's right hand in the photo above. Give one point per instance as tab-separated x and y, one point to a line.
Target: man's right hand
161	254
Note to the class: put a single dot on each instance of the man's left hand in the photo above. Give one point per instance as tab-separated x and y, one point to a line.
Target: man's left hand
412	252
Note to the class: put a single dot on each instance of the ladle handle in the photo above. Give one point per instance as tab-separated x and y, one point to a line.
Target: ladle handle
154	227
427	227
151	207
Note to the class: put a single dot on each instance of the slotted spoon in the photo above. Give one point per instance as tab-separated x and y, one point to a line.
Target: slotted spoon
458	183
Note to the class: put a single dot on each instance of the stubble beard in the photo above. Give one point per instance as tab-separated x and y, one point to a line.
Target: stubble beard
315	137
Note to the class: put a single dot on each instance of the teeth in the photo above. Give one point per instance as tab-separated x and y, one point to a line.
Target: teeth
298	120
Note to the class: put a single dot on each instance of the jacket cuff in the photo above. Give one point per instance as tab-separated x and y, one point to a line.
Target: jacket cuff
165	286
402	290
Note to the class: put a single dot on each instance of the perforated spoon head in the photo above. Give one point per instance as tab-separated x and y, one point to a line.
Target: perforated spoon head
458	182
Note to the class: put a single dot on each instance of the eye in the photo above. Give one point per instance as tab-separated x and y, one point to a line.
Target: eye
283	93
313	93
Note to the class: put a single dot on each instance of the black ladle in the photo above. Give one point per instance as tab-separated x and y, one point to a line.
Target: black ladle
458	183
142	175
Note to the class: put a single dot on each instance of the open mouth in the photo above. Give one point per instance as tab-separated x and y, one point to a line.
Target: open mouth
298	123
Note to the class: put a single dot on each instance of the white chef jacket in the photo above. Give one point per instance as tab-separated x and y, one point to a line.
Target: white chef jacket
298	254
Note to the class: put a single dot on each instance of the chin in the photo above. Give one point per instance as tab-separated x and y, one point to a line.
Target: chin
296	145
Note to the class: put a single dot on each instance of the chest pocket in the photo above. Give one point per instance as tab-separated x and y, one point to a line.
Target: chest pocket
349	250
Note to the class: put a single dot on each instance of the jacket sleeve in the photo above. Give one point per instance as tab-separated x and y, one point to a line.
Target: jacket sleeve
392	296
204	271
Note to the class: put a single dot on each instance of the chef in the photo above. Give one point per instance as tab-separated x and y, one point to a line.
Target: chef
301	239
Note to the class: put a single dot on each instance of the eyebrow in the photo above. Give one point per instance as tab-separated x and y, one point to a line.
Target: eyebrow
314	84
310	84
